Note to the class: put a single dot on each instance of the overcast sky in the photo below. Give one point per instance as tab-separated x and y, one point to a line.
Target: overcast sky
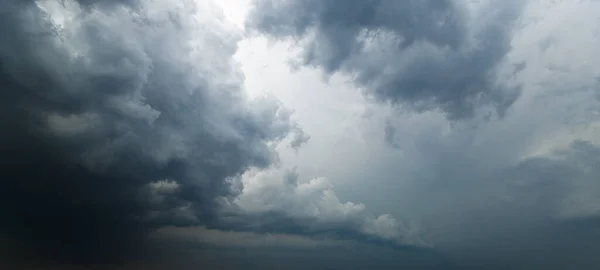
300	134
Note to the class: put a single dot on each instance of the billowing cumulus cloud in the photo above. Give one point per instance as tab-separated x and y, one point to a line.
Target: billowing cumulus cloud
120	117
312	208
425	55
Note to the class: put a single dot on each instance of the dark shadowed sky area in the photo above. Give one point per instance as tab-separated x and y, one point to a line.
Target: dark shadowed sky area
299	134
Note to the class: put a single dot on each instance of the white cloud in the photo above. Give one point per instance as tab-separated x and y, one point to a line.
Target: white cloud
276	191
283	191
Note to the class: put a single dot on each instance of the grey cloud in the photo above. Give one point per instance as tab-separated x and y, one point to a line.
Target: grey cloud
127	119
189	248
299	139
272	251
499	194
390	135
103	106
488	194
424	55
517	216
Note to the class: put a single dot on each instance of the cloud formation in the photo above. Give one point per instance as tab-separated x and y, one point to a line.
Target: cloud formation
513	190
447	135
119	117
283	202
423	55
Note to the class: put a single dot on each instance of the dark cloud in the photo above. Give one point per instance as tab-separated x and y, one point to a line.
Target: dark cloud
118	118
189	248
423	55
328	257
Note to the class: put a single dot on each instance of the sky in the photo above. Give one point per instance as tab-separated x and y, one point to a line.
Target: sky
300	134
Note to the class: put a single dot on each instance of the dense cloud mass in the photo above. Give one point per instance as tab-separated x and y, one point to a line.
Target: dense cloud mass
119	117
158	135
421	54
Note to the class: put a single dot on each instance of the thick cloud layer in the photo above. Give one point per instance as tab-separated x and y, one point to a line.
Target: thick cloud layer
423	55
120	117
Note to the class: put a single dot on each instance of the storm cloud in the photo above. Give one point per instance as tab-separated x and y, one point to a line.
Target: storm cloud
423	55
435	134
118	118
